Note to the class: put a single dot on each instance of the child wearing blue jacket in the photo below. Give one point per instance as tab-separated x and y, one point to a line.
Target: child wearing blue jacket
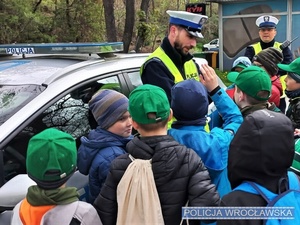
107	141
190	104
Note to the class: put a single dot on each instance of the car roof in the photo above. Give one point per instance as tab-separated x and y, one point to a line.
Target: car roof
45	63
31	71
46	69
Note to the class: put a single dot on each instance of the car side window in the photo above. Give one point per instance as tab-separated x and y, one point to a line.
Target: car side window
214	42
70	113
135	78
111	83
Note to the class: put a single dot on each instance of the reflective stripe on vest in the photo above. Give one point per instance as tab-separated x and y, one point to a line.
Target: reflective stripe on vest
257	47
190	67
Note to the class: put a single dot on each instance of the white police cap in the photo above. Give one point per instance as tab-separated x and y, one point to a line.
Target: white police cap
266	21
192	22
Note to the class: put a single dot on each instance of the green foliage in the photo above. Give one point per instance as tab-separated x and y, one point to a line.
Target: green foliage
83	21
143	28
52	21
198	47
223	76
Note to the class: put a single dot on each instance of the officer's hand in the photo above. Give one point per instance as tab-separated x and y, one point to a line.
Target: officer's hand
209	77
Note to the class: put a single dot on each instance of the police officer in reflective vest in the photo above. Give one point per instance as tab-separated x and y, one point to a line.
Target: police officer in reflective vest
267	32
172	62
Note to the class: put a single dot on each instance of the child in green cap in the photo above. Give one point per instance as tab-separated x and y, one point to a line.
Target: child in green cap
51	161
292	90
179	173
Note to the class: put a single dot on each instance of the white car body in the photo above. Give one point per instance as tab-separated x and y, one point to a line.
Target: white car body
60	84
213	45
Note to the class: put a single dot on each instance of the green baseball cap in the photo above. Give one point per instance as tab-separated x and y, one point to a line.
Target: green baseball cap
231	76
293	68
51	158
252	80
146	99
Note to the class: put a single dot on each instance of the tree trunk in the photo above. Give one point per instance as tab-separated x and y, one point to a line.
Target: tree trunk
111	31
129	24
68	16
145	6
140	38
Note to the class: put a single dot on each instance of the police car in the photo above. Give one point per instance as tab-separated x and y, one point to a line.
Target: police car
49	85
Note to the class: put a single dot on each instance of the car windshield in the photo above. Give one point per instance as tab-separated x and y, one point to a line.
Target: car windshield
12	98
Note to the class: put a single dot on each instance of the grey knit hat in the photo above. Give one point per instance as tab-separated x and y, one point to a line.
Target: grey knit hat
107	106
269	58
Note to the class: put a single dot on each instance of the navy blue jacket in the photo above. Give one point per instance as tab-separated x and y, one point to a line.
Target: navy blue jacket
95	155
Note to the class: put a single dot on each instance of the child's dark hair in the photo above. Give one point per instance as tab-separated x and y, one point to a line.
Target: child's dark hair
153	126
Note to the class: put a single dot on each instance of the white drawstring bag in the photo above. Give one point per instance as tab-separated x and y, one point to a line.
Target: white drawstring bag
137	197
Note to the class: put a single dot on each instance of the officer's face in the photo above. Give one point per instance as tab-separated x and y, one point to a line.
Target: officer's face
184	41
267	34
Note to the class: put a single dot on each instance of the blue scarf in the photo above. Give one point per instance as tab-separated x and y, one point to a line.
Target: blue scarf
292	94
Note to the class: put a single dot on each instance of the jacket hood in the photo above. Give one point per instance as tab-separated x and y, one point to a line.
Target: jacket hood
262	149
276	82
97	140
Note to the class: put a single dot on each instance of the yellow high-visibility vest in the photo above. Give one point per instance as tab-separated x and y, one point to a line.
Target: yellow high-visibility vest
190	68
257	47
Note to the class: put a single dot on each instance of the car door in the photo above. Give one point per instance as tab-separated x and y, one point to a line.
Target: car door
68	112
214	44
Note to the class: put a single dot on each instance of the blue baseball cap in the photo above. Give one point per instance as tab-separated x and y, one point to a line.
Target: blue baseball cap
242	62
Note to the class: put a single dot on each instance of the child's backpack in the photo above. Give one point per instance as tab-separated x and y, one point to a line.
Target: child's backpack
289	198
137	197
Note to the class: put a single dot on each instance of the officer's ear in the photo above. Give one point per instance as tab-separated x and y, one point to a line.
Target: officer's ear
173	30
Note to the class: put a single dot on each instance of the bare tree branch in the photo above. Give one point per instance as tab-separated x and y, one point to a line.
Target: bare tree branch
36	6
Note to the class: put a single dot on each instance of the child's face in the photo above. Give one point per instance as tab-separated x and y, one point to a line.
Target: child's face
291	84
123	126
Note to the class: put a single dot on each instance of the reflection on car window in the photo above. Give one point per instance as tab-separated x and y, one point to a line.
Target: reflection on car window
135	78
12	98
110	83
71	114
68	115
